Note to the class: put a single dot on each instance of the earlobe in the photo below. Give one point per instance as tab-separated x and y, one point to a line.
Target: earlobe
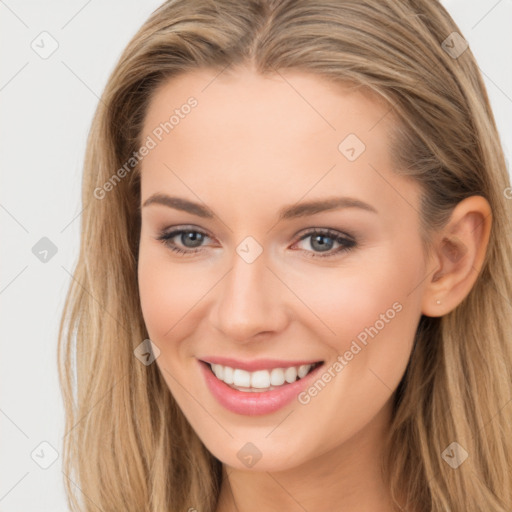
459	252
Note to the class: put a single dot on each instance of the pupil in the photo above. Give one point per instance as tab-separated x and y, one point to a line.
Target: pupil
192	236
322	246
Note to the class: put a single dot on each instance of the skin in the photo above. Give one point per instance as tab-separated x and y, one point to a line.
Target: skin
252	145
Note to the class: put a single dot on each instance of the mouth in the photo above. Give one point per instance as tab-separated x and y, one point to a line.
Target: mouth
263	391
262	380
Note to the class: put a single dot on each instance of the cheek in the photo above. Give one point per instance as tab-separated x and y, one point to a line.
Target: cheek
374	316
172	295
377	331
367	309
161	289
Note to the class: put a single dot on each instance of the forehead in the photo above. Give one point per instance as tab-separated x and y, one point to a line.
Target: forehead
282	133
300	104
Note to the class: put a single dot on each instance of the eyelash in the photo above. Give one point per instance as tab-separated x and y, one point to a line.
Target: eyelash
347	243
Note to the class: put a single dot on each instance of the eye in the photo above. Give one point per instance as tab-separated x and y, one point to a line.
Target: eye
190	238
322	240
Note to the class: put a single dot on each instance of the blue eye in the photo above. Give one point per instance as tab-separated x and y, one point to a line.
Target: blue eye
321	239
197	237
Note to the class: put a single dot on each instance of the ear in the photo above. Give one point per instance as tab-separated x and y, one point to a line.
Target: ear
458	254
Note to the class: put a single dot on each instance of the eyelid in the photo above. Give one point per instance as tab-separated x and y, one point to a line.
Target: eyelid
334	233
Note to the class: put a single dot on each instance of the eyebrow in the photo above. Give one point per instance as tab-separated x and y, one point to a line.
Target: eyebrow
286	213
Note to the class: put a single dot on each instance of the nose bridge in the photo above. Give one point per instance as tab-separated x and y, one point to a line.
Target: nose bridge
247	303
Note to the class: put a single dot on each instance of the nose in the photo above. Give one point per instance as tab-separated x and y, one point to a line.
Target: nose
249	301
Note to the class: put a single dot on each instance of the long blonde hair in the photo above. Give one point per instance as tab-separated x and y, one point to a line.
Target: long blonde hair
127	444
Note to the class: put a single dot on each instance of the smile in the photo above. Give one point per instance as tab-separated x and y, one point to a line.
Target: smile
260	380
257	392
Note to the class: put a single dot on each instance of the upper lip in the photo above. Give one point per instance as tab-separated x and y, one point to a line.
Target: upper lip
256	364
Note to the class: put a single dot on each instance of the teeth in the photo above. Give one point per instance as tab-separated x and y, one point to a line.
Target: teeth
241	378
228	374
290	374
260	379
277	377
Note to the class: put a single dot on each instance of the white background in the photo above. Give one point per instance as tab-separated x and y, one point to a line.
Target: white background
47	107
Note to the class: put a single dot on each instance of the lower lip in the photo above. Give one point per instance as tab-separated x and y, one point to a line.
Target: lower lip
254	403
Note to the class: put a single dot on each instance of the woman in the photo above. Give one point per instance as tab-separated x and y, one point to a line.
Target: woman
294	285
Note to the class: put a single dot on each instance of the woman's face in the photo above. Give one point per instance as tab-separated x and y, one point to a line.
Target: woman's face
266	281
